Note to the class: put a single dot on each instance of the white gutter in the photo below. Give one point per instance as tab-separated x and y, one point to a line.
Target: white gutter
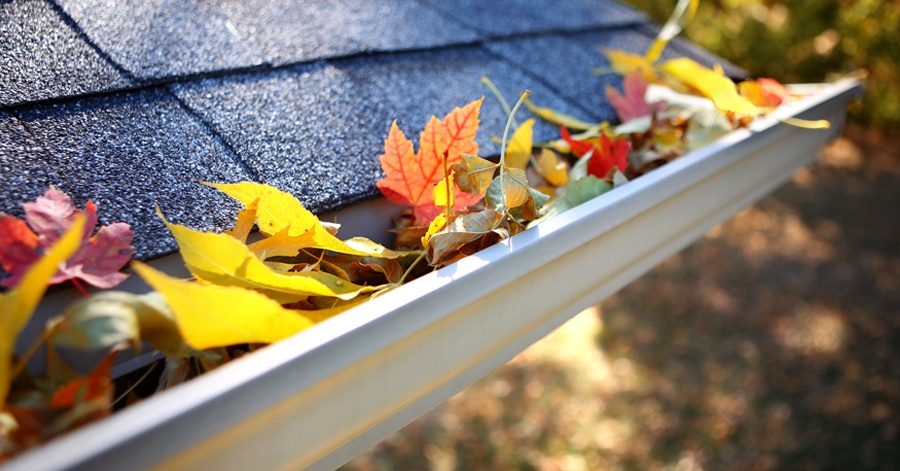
318	399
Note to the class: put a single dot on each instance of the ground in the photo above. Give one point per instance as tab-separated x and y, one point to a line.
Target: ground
771	343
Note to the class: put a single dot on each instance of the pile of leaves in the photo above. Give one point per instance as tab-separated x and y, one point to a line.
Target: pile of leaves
251	288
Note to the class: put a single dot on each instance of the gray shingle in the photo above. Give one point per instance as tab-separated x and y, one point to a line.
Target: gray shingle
289	32
42	58
317	131
158	38
20	179
566	62
505	17
154	39
128	153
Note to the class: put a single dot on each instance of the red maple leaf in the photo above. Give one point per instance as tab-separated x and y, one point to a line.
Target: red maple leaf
410	177
96	262
605	153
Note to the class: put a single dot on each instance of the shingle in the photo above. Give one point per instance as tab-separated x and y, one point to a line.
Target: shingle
566	63
20	179
289	33
42	58
155	39
158	38
317	131
505	17
128	153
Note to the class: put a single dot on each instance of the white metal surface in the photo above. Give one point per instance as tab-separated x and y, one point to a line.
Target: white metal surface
319	398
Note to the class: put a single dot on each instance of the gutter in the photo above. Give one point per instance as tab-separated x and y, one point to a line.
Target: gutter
319	398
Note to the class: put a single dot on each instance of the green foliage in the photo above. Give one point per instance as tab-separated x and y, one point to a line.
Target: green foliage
805	41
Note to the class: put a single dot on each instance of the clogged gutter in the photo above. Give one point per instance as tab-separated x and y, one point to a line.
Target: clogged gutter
251	293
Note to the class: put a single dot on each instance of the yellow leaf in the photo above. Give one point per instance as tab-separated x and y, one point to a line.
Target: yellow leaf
552	168
519	150
220	259
245	221
444	192
715	86
437	224
217	316
277	210
17	305
624	63
555	117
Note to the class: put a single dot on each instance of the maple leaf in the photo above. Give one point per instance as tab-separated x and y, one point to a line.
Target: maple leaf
605	153
410	177
98	259
631	105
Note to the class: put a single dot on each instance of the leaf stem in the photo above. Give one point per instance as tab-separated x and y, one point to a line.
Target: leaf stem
499	97
448	187
410	269
80	288
509	121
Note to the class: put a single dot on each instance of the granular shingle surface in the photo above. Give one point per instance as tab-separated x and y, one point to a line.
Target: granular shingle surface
131	103
43	58
506	17
130	153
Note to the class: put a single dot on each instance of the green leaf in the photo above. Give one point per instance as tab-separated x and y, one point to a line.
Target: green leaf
101	321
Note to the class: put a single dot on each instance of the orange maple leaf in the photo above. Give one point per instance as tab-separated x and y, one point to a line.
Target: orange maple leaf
410	177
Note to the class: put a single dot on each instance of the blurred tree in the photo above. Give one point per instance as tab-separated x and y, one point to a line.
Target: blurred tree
805	41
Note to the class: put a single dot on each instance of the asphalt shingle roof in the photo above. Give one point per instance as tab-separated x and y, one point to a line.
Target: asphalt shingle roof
130	104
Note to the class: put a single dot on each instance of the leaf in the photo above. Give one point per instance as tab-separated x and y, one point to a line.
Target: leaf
211	316
632	104
561	119
552	168
278	211
18	304
711	84
461	231
518	151
518	194
575	192
18	249
220	259
96	262
410	178
625	64
474	174
604	153
764	92
100	321
246	219
112	317
444	193
96	386
437	225
612	154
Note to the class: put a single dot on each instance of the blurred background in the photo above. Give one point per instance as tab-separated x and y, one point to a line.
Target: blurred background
771	343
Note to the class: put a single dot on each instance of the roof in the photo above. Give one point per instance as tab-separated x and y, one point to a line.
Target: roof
130	104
